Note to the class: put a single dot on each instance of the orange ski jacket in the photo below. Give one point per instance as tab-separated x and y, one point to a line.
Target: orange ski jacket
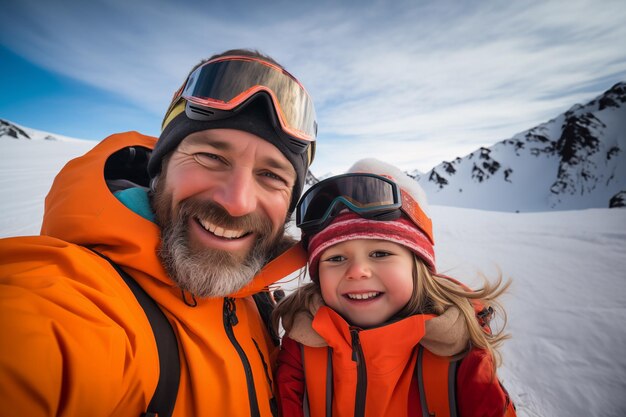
75	341
373	373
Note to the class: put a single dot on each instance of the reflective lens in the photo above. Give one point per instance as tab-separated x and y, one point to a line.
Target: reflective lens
227	82
368	195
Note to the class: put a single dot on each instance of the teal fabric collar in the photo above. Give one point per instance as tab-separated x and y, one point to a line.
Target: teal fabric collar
137	200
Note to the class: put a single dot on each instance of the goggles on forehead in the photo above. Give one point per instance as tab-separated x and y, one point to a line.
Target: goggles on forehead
221	86
370	196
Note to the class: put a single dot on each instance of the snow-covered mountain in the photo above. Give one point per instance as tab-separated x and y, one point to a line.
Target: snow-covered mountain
574	161
10	130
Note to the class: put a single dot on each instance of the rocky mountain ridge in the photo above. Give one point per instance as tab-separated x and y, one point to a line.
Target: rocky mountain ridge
574	161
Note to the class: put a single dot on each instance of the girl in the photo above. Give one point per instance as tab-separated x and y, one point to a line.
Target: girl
378	332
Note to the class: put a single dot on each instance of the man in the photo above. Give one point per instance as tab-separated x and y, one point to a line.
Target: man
224	175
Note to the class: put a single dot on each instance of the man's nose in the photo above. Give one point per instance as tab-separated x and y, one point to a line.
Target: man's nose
237	194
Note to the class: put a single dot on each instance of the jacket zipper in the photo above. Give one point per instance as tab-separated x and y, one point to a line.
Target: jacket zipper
361	373
231	320
272	401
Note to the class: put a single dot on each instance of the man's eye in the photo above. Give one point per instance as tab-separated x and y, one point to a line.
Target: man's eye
206	159
274	177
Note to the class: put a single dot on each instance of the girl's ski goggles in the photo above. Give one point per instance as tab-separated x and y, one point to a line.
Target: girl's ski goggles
217	88
370	196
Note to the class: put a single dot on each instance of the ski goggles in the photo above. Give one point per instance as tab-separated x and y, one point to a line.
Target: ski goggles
221	86
370	196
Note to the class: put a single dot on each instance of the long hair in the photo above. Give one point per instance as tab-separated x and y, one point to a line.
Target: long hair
432	294
435	293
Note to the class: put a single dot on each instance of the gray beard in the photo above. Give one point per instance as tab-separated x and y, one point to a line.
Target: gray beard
210	272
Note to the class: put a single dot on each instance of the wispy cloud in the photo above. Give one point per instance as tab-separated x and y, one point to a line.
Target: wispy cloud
410	82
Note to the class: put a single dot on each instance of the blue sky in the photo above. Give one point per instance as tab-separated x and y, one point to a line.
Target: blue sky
410	82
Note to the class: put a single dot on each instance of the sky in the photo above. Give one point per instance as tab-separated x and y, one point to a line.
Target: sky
410	82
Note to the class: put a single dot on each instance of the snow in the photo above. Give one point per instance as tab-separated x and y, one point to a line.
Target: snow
27	168
566	308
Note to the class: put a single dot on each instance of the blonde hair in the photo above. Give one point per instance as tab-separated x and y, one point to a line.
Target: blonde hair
435	293
432	294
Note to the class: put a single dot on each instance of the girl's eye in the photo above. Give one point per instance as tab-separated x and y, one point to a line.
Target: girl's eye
379	254
336	258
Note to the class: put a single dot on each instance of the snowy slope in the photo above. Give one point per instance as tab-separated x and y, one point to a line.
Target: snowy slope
566	305
29	160
575	161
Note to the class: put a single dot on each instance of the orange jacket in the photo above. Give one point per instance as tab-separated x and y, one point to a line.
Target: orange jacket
376	367
75	342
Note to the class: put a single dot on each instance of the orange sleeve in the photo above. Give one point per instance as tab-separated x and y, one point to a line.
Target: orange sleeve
63	350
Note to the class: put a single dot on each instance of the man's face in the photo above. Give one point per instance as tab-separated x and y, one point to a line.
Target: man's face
221	203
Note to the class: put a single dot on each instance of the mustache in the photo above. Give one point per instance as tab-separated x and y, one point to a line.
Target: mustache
216	214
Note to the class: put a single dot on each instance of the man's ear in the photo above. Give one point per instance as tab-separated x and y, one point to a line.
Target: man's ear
154	183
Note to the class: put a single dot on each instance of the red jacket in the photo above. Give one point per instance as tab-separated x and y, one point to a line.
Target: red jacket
389	355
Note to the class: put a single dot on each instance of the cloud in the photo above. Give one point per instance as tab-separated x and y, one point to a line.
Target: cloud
433	78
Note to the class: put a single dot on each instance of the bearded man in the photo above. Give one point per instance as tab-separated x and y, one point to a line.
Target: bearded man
193	219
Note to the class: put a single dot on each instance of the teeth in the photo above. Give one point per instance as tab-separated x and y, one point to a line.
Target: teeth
220	231
363	296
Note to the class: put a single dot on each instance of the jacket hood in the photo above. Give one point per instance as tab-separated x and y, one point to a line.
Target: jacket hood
81	209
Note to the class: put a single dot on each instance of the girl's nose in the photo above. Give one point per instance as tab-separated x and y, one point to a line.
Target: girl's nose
358	270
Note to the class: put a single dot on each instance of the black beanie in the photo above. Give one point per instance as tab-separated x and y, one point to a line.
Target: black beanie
256	118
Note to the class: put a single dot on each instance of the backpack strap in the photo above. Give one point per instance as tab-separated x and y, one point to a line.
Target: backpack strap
266	305
164	397
318	383
436	380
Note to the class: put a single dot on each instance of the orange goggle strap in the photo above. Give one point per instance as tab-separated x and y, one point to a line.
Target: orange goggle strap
417	215
412	209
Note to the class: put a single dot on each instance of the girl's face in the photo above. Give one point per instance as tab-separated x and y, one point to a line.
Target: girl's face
366	281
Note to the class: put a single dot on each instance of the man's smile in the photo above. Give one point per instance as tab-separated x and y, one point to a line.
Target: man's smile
222	232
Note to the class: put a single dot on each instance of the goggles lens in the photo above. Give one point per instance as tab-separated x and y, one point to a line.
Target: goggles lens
227	82
365	194
368	195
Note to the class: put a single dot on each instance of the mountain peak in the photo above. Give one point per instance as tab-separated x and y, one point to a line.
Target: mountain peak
576	160
8	129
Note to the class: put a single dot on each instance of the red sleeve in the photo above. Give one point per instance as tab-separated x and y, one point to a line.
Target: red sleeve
290	379
479	392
